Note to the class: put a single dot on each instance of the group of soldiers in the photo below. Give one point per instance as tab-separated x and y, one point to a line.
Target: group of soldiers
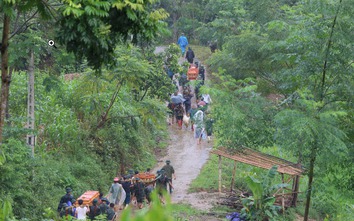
126	190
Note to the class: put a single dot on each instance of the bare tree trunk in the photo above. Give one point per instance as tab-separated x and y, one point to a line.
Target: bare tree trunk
309	187
5	79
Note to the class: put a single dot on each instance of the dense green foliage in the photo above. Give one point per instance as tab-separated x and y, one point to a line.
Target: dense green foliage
282	83
71	150
284	77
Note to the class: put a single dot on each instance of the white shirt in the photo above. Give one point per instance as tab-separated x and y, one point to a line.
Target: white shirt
81	213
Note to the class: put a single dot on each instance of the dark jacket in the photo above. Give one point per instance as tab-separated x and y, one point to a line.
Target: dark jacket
65	199
190	55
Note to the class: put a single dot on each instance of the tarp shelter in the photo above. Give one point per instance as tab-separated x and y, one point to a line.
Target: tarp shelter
265	161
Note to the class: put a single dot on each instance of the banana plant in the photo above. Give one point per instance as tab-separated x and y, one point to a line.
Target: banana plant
260	206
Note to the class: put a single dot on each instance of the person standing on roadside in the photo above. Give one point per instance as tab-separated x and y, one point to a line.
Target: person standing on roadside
169	171
182	42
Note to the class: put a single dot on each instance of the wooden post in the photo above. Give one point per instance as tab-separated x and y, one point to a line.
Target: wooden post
233	176
30	106
282	196
219	173
295	190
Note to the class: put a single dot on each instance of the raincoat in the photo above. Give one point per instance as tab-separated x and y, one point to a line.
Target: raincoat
183	42
116	194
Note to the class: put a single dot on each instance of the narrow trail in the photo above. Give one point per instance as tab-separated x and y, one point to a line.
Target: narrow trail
187	158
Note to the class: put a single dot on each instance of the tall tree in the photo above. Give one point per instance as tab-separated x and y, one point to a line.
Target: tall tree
9	8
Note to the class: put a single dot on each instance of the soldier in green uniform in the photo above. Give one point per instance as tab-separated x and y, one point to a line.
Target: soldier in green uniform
169	171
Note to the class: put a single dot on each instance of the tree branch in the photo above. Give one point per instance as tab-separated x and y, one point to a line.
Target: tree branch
23	25
113	99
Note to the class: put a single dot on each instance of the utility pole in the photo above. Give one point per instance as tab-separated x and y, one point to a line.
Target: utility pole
30	105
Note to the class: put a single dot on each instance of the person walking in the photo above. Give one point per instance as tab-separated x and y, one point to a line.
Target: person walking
170	172
139	192
67	198
116	193
81	210
94	210
179	111
126	186
110	212
103	206
190	55
182	42
202	73
199	125
209	126
161	184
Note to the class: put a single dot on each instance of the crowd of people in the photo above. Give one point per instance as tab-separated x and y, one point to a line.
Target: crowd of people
124	191
181	108
130	189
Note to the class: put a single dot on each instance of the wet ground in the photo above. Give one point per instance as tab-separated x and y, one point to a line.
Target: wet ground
187	158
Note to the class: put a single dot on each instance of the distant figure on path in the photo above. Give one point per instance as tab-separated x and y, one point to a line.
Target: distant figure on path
170	171
182	42
213	45
190	55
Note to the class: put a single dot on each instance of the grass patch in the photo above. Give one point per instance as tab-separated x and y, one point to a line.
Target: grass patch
207	179
182	211
300	209
201	52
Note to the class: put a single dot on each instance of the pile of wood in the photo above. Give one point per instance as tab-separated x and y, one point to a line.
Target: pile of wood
232	200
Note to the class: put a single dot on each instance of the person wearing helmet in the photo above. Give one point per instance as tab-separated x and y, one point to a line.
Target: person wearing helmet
116	193
63	211
170	172
94	210
67	198
103	206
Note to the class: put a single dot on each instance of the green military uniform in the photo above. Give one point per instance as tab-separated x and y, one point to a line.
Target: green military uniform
169	170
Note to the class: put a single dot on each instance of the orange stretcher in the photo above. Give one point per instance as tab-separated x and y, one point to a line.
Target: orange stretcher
192	73
88	197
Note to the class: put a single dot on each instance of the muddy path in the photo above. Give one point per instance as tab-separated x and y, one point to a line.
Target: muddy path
187	158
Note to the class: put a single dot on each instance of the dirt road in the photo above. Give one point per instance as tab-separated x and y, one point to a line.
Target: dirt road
187	158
